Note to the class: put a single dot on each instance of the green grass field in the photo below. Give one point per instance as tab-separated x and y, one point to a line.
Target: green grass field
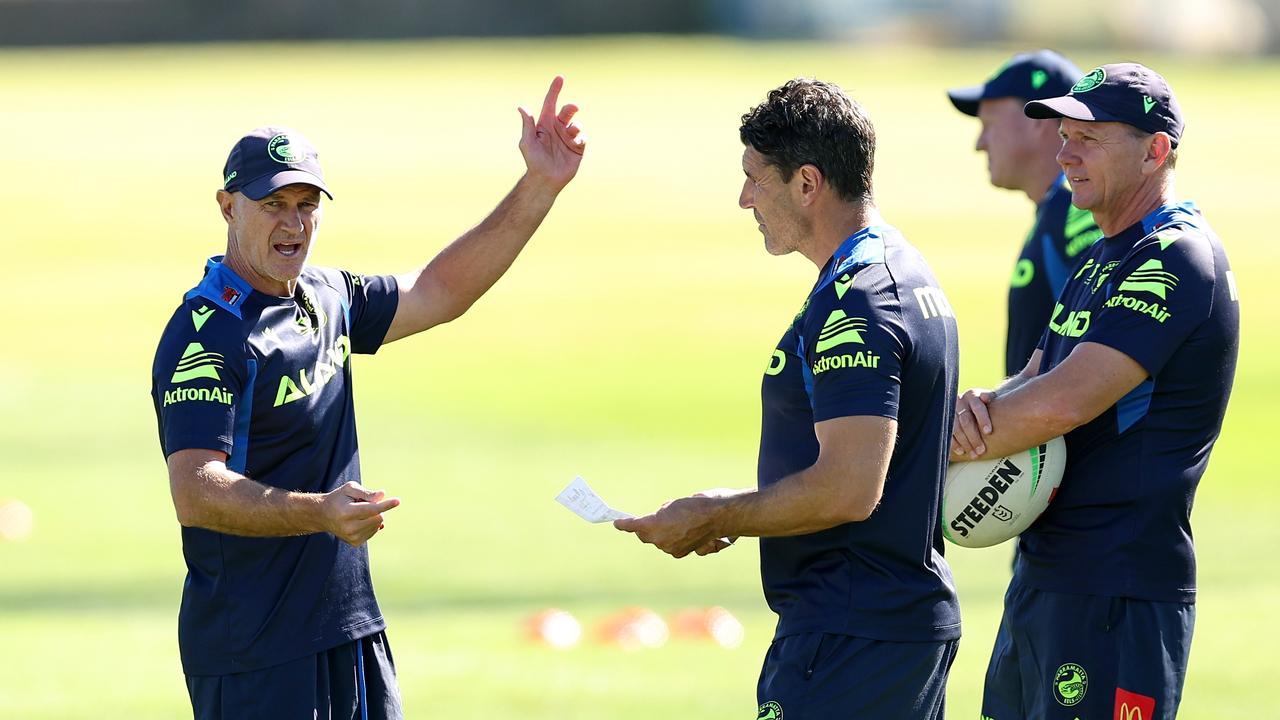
626	345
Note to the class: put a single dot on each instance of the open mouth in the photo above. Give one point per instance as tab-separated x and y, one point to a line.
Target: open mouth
288	249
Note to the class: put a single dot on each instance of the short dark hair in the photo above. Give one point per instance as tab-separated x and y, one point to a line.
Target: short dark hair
811	122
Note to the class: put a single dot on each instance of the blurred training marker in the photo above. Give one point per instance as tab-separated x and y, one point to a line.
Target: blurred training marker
16	520
586	504
634	629
553	627
713	623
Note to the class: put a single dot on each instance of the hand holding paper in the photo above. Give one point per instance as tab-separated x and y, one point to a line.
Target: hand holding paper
583	501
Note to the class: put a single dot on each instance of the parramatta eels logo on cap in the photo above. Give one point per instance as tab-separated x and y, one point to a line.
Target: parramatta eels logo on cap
281	149
1090	81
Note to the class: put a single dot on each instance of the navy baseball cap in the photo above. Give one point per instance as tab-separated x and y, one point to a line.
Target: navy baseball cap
1127	93
1030	76
267	159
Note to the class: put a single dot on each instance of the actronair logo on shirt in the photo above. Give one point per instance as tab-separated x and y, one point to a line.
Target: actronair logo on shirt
840	329
213	395
1150	277
196	362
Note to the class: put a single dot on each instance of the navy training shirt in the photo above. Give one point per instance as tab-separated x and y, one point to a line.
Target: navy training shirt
1162	293
876	337
267	380
1062	231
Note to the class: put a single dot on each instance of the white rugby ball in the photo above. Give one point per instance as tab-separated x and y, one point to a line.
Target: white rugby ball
986	502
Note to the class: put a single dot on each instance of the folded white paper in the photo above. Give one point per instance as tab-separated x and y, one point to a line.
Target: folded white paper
586	504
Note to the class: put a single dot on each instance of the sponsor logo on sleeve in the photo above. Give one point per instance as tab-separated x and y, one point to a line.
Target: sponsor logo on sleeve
776	363
1133	706
842	285
201	316
1152	279
1070	684
196	362
933	303
208	395
840	329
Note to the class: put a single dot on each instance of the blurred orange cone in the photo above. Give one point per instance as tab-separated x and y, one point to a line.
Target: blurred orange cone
634	628
553	627
713	623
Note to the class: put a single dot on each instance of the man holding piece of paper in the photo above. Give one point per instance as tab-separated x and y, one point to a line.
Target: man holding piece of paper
857	401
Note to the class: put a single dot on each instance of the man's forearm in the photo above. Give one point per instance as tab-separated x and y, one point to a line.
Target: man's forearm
470	265
799	504
215	498
1020	419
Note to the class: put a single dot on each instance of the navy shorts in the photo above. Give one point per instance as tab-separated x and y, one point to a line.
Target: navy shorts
1060	656
354	681
818	676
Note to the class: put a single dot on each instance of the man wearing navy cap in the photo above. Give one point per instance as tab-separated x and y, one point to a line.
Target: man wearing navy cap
1135	370
1021	156
252	391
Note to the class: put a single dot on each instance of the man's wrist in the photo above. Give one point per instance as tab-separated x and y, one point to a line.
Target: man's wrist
538	189
730	510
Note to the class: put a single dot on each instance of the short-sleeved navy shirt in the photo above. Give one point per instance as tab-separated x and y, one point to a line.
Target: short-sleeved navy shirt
1062	231
877	337
267	380
1162	293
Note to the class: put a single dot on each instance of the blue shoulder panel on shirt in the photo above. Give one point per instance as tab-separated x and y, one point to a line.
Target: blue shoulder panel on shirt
222	287
1181	212
865	247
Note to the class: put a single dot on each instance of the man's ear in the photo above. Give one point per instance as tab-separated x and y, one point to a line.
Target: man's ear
1159	145
811	184
226	203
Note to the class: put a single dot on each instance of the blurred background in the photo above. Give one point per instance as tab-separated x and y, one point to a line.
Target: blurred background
626	345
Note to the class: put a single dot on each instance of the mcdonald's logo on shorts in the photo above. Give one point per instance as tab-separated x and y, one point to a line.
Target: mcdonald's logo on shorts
1132	706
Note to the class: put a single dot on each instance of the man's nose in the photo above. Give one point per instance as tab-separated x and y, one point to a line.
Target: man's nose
1064	157
292	221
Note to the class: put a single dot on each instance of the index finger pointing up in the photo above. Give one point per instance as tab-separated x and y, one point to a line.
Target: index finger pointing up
549	103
